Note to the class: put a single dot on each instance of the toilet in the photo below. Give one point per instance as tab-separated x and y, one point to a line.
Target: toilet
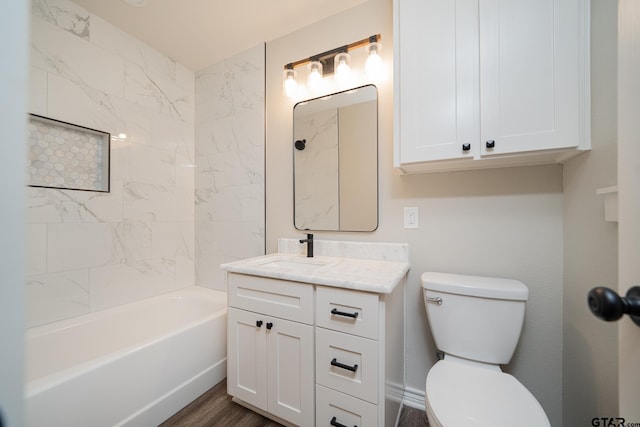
476	322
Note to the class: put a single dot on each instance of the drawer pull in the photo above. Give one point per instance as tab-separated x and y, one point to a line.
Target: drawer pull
342	313
353	368
336	423
269	325
259	323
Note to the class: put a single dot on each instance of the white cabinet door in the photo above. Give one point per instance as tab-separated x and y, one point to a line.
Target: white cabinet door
477	81
270	364
530	75
247	357
436	80
290	369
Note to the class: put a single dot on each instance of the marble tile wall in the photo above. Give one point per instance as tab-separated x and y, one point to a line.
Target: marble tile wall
88	250
229	175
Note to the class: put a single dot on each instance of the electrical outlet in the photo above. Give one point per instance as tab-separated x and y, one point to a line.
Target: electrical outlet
411	215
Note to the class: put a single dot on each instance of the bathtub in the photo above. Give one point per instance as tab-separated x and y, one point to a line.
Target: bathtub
134	365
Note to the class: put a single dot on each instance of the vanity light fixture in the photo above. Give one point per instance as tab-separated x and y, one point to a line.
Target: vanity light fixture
335	61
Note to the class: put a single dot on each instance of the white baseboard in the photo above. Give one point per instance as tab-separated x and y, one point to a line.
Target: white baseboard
414	398
395	392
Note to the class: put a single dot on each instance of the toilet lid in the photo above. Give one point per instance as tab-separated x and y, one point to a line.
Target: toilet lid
463	395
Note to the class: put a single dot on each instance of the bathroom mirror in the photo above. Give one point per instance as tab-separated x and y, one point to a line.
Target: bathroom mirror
335	161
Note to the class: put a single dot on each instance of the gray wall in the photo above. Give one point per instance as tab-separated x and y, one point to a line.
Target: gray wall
13	106
503	222
590	346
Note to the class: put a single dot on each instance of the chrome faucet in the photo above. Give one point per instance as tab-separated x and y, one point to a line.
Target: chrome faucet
309	242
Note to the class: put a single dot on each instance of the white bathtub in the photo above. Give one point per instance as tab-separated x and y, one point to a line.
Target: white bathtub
135	365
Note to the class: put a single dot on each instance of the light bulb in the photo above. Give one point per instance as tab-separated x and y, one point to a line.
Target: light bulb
289	83
373	66
314	79
290	87
342	67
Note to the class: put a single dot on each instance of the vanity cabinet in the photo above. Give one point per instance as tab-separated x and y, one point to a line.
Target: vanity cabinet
489	84
308	354
270	360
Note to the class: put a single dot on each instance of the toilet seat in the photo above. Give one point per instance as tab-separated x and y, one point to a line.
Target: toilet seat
467	394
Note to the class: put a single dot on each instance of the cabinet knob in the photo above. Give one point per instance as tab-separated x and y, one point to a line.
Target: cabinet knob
491	143
466	147
269	325
258	323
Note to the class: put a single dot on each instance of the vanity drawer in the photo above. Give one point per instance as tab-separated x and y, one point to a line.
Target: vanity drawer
348	364
274	297
347	410
348	311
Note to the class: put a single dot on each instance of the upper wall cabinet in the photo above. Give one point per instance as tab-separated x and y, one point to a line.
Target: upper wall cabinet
489	83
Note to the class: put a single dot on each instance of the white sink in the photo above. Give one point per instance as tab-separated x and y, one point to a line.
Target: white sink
295	264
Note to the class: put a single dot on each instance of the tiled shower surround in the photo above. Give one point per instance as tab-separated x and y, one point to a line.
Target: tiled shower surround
90	250
229	175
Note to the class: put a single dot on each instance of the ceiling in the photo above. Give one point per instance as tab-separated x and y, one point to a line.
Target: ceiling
199	33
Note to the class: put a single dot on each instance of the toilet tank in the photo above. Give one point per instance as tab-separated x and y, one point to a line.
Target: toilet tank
477	318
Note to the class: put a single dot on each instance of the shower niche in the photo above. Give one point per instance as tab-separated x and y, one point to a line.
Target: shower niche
66	156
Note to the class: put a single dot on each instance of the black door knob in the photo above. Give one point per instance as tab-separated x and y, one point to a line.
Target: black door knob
258	323
607	305
491	143
466	147
269	325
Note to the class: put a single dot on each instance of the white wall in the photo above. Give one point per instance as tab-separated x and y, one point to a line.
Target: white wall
505	223
229	198
14	22
590	368
87	250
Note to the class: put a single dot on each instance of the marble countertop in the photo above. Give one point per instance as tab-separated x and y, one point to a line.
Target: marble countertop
369	275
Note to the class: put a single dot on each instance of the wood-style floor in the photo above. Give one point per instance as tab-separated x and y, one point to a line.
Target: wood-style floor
215	408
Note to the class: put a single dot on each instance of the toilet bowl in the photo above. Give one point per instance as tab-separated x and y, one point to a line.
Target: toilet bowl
476	321
458	394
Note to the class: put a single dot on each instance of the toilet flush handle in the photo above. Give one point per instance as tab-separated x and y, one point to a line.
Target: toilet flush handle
436	300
